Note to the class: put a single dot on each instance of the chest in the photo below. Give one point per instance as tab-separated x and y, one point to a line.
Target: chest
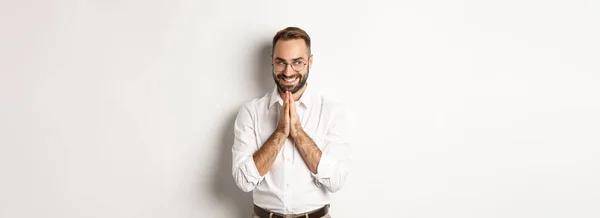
312	120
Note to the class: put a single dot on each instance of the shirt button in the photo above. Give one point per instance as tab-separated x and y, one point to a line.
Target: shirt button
288	185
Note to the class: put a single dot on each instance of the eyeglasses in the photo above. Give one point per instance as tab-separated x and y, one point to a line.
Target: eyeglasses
282	65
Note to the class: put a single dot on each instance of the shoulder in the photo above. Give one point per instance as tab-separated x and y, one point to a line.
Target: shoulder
337	115
252	106
331	105
333	110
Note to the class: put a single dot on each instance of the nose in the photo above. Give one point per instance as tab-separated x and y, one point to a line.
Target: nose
288	71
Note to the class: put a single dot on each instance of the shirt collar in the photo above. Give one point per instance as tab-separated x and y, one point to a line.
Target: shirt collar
305	99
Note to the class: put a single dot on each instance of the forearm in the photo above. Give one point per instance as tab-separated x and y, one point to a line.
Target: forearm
265	156
308	150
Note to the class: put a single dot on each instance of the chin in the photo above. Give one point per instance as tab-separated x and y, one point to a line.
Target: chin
287	88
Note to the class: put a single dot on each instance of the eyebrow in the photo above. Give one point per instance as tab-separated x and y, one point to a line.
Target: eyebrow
295	59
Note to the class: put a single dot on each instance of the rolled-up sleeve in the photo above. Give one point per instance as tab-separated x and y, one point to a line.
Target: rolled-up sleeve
333	167
244	169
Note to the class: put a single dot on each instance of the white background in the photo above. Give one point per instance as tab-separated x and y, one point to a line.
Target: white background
462	108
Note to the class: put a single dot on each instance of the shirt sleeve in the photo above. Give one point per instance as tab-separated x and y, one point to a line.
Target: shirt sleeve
244	169
333	167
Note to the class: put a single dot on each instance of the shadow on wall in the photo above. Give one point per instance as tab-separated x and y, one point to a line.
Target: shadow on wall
263	71
225	190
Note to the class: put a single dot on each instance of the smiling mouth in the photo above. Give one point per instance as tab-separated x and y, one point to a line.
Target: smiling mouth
289	81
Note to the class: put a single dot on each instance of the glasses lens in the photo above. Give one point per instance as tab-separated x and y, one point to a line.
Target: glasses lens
279	66
298	66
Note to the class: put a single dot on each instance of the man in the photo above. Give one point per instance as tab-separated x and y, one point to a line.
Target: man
290	147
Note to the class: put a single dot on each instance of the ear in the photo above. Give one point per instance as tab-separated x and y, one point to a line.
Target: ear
310	61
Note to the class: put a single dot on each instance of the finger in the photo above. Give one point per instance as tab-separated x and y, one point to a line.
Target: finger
287	103
292	107
291	102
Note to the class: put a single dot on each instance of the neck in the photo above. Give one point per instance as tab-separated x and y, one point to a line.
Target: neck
296	95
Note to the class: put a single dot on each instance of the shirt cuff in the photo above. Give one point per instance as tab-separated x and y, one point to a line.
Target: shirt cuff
251	172
325	167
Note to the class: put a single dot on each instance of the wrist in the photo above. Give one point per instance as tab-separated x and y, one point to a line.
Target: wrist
280	133
296	131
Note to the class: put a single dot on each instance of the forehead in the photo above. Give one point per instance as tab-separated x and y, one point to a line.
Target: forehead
289	49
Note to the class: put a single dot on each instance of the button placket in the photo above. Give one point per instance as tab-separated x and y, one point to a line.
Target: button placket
288	148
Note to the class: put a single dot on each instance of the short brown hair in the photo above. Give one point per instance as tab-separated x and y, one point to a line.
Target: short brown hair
291	33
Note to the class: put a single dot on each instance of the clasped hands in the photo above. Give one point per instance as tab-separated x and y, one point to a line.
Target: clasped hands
289	124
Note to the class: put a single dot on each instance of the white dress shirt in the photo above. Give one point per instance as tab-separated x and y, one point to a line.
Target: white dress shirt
290	187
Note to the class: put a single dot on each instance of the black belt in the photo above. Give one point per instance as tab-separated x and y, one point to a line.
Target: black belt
262	213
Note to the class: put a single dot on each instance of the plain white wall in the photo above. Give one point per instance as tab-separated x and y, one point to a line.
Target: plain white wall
462	108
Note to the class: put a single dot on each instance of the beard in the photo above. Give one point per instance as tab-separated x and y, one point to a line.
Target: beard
292	89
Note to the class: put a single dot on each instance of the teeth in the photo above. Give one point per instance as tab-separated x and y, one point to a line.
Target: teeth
291	79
